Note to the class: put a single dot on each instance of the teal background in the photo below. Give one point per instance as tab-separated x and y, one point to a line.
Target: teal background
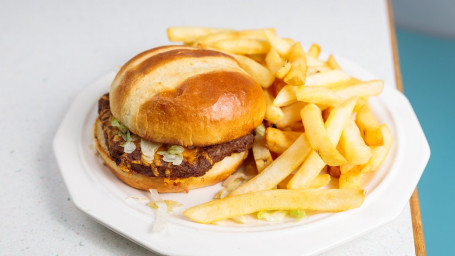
428	70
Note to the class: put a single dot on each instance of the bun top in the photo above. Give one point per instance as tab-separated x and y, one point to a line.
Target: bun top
187	96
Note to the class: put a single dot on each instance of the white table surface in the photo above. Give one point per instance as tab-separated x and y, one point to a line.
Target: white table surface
51	50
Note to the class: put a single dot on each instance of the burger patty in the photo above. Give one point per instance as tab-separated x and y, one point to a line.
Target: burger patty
196	161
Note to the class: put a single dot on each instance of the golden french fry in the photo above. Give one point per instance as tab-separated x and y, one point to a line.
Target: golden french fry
284	70
337	119
317	135
291	114
361	101
272	113
331	200
209	39
349	167
261	153
334	127
286	96
314	50
320	181
278	141
190	34
327	78
261	74
314	62
242	46
317	69
307	172
334	171
354	148
333	64
297	74
350	180
318	95
369	126
278	169
259	34
362	89
274	61
281	45
379	153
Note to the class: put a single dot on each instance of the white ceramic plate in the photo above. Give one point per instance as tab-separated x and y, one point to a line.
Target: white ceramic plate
96	191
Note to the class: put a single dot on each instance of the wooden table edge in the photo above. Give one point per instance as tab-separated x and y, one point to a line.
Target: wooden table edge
416	217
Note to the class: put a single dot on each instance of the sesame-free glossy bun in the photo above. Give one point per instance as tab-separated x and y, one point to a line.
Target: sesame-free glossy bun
187	96
219	171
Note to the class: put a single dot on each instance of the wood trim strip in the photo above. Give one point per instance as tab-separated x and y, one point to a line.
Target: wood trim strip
417	227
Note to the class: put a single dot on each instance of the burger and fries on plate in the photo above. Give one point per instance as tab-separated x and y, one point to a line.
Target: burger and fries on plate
186	116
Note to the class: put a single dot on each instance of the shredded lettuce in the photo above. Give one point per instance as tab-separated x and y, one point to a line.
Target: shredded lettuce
280	215
121	127
173	155
260	129
160	222
272	216
297	213
171	205
148	149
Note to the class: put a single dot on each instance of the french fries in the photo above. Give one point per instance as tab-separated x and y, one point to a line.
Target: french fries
278	141
261	74
329	200
242	46
261	154
351	142
319	128
297	72
317	136
190	34
279	169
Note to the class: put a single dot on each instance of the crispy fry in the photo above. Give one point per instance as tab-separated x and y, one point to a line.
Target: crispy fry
314	50
337	119
333	64
291	114
380	152
369	126
334	171
331	200
242	46
318	95
261	74
272	113
281	45
317	135
261	153
274	61
190	34
307	172
278	141
362	89
286	96
351	180
284	70
297	73
278	169
354	148
327	78
320	181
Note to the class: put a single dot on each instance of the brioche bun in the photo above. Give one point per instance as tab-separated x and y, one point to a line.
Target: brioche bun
186	96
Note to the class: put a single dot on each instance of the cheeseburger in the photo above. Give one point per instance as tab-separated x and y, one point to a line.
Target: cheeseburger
178	118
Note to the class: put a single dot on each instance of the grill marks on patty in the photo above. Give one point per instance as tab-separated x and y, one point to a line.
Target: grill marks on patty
196	161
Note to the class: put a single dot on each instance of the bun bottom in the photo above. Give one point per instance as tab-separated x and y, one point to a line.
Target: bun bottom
219	172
